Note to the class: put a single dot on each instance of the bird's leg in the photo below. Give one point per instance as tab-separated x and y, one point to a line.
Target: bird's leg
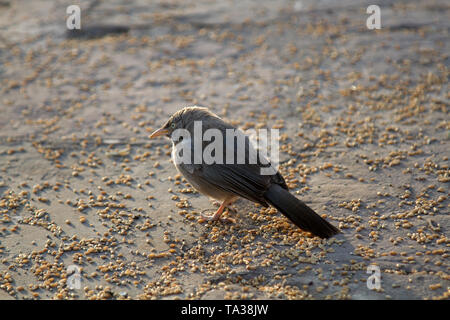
215	203
229	207
230	203
216	216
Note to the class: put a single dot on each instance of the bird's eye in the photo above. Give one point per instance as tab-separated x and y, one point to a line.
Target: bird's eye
172	125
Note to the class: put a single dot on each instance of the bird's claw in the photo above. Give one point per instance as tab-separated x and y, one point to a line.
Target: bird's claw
215	217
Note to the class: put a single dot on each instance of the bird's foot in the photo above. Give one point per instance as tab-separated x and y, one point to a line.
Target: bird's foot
217	217
229	207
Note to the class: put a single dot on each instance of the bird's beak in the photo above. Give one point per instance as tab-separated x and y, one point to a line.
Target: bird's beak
159	132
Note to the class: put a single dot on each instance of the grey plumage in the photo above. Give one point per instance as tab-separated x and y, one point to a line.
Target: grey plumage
226	182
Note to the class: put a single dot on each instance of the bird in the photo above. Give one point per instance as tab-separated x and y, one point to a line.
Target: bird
227	181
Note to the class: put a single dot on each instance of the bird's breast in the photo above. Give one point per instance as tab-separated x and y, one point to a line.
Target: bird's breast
191	171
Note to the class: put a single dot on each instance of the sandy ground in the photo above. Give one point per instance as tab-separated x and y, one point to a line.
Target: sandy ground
365	137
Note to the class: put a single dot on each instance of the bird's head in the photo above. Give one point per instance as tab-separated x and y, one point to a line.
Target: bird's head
183	119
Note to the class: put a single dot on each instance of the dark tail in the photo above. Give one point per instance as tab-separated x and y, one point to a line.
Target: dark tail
298	212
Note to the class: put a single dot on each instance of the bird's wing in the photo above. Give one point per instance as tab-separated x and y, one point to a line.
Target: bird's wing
243	180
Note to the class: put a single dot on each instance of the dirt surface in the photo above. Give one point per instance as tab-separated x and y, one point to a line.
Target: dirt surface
365	141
